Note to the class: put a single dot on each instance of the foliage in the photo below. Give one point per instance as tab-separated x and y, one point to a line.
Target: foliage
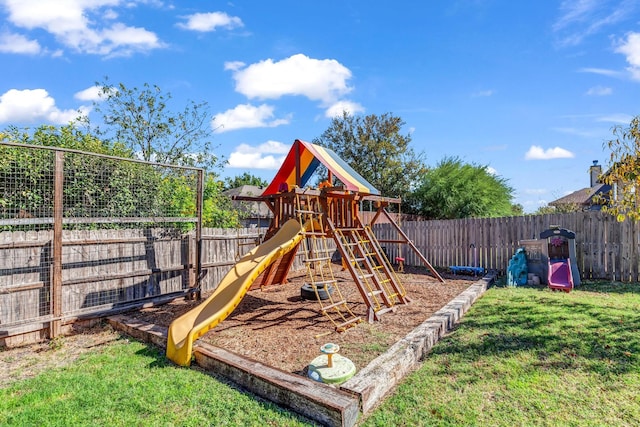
140	119
624	173
97	186
244	179
517	209
528	356
560	208
93	186
374	146
454	189
218	210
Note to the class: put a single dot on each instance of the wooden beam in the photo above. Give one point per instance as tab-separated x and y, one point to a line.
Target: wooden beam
412	246
56	250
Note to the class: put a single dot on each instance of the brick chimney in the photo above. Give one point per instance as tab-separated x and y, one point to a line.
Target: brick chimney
594	172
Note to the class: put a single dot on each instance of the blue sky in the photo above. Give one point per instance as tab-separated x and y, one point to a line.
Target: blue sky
530	89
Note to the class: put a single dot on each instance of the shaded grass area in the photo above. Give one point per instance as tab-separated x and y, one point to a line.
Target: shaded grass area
132	384
529	356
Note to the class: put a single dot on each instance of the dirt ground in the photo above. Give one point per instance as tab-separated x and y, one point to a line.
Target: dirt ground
274	326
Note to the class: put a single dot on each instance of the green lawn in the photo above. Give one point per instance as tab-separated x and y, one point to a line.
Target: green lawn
529	356
523	356
128	383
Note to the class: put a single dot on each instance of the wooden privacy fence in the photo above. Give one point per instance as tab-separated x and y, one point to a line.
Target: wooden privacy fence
105	272
605	248
83	233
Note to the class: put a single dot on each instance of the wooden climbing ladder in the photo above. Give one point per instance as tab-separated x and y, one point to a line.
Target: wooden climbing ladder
372	272
317	259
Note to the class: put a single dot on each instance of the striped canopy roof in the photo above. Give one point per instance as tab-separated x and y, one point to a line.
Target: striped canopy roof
304	158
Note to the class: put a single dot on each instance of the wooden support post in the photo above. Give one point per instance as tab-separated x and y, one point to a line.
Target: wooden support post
412	246
198	254
56	250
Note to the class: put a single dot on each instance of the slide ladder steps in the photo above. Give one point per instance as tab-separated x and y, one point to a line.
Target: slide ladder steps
317	258
371	270
388	277
360	268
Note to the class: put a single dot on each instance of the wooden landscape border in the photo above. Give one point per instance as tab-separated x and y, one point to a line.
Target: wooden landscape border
327	405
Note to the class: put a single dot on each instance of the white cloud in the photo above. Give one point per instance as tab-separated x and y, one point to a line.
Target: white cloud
89	94
269	155
17	43
601	71
233	65
483	93
317	79
490	170
631	49
246	116
205	22
583	18
538	153
32	106
585	133
73	24
599	91
621	118
350	107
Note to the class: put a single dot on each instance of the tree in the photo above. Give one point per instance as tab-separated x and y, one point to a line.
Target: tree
623	201
140	119
562	208
454	189
244	179
375	148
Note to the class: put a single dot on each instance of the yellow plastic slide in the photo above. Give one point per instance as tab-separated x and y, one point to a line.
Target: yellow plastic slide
187	328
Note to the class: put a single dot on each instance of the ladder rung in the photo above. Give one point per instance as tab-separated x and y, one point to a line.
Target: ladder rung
324	258
378	267
330	306
376	292
348	322
324	282
385	310
315	233
365	276
358	259
307	211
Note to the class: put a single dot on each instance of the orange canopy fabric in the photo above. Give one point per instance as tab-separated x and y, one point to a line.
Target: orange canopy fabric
304	158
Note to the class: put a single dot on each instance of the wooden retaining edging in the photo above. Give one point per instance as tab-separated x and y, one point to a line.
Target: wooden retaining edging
324	404
373	382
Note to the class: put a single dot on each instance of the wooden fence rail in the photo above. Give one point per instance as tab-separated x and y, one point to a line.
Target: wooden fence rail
105	271
605	248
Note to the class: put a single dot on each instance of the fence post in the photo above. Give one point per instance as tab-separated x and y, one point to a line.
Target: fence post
56	264
199	203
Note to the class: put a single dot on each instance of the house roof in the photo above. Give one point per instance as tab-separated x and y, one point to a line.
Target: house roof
302	161
253	209
582	197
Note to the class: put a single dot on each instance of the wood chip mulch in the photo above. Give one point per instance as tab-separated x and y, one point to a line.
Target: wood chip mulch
275	326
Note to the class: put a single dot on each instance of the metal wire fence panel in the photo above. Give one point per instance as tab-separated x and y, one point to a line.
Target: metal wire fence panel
84	233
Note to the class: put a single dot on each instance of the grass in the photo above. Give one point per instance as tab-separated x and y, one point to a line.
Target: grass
523	356
128	383
529	356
